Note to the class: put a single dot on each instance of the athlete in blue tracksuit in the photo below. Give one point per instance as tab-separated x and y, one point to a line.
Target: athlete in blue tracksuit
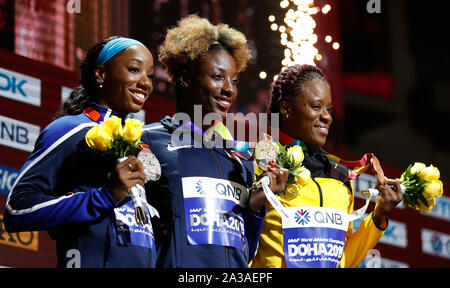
83	223
76	193
202	199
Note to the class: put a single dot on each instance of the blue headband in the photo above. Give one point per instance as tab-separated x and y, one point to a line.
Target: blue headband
115	46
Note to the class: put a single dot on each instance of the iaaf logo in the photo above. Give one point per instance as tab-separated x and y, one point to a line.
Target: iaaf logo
302	217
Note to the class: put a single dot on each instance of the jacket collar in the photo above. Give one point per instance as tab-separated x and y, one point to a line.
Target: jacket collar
98	113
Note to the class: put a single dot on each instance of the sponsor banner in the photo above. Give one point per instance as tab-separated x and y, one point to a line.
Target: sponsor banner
28	240
20	87
436	243
396	232
314	237
208	188
213	211
7	178
441	209
65	93
18	134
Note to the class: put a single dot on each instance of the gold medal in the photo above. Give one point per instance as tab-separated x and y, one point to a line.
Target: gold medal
265	153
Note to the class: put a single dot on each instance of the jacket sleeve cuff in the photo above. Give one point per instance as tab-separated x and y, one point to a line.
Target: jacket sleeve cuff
383	225
108	196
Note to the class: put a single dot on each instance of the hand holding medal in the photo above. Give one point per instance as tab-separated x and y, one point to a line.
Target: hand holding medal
419	184
117	141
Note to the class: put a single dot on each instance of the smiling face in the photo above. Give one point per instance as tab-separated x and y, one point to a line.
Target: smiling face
310	113
127	80
211	84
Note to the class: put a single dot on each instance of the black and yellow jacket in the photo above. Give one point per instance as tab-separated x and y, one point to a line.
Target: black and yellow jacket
329	186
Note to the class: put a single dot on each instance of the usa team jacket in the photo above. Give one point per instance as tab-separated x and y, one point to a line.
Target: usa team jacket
61	189
202	199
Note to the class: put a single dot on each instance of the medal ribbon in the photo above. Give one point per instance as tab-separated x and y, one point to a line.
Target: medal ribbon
238	147
358	167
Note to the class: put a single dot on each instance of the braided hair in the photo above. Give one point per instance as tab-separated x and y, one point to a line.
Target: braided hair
290	82
80	97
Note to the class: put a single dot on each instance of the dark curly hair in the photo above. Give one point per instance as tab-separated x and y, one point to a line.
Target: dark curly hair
81	96
290	83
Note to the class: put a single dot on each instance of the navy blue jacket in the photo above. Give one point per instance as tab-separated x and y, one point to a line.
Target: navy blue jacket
83	223
200	225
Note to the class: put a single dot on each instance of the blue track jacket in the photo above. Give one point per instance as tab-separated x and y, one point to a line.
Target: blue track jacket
83	223
202	198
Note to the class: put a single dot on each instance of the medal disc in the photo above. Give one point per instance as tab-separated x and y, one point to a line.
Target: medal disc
152	167
265	152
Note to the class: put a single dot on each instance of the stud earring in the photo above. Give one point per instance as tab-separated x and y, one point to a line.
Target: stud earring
100	84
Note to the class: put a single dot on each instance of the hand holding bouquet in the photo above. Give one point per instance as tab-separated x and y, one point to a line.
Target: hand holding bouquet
118	141
292	159
420	186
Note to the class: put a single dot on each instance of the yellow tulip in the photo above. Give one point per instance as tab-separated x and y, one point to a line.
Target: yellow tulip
430	173
417	167
98	138
425	209
296	153
133	130
114	124
433	189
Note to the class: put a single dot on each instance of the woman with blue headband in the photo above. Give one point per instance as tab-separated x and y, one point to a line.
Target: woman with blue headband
75	194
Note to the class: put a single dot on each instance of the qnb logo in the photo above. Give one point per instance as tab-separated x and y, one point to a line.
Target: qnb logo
436	243
302	217
199	188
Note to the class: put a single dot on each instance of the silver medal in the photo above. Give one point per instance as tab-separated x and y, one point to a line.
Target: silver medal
152	167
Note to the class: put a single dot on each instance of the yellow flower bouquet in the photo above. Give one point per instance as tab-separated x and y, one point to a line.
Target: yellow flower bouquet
117	141
113	138
421	187
292	159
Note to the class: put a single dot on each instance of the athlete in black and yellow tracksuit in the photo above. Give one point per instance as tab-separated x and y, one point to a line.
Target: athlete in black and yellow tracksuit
329	186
